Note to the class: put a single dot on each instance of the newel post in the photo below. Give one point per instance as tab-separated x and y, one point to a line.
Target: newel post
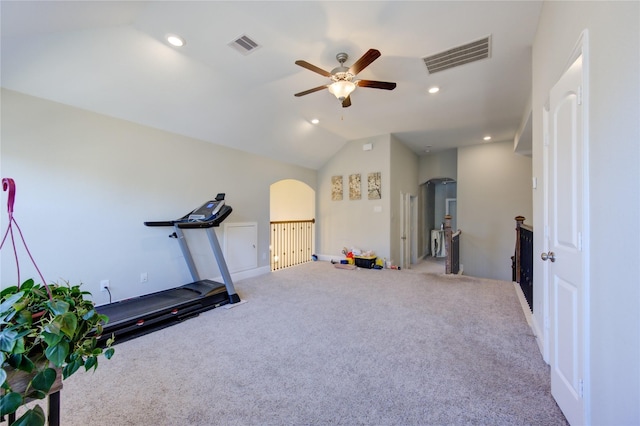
447	243
519	221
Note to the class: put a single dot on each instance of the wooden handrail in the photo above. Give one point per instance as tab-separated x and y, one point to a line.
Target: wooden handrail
294	221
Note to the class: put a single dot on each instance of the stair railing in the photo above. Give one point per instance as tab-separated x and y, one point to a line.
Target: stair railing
452	247
291	243
522	261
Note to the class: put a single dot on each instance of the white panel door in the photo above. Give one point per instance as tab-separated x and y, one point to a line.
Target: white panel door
241	246
405	230
565	257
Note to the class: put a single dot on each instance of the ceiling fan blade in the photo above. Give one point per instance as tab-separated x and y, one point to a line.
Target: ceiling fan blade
315	89
310	67
377	84
346	102
364	61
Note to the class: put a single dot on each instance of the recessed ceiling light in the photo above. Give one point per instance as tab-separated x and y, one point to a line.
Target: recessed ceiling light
175	40
315	121
487	138
434	89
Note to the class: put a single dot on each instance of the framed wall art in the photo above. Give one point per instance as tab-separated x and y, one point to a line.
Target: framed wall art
336	188
373	186
354	187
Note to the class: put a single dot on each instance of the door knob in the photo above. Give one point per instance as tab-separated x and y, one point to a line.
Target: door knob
551	256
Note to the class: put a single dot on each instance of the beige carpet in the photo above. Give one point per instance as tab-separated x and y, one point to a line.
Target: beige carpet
316	345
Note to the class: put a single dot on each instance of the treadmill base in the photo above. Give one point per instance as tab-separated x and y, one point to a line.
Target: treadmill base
135	317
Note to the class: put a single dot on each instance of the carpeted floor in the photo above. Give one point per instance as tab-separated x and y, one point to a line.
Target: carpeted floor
316	345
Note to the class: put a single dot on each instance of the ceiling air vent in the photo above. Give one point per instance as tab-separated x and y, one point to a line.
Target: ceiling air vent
471	52
244	45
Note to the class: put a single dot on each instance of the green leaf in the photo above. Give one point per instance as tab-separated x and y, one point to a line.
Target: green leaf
90	362
57	353
27	284
33	417
109	353
88	315
103	318
9	403
35	394
8	290
53	328
19	347
44	380
71	368
67	322
8	338
24	317
7	305
58	307
51	338
3	375
26	364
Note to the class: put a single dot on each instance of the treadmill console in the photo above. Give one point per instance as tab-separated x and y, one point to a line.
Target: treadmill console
208	210
211	213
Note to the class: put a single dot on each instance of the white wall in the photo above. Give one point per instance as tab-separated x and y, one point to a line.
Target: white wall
360	223
438	165
613	379
87	182
494	186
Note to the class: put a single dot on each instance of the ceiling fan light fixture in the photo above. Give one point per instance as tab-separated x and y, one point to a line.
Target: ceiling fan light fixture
342	89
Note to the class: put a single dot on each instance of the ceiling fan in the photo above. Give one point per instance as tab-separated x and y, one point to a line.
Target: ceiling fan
343	79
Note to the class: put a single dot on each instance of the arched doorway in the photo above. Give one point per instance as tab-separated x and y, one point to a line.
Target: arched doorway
439	195
292	206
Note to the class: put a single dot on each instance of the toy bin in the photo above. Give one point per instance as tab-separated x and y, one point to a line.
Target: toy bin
365	262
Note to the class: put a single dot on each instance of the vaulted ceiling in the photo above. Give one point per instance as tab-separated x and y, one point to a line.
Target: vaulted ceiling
112	58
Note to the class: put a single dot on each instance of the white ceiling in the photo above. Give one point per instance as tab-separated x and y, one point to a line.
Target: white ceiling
111	57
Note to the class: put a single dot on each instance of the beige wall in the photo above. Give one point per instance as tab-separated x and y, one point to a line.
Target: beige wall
494	186
360	223
87	182
612	96
404	180
292	200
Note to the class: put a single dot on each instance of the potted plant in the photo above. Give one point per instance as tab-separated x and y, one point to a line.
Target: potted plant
45	330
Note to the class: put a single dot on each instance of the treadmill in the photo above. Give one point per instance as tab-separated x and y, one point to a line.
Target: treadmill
135	317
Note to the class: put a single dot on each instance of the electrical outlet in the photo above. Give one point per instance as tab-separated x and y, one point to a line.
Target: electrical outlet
144	277
104	285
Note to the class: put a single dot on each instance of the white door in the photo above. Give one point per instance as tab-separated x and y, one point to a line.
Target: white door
413	231
565	256
405	230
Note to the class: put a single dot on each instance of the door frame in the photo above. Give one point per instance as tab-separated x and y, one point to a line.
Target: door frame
408	229
580	49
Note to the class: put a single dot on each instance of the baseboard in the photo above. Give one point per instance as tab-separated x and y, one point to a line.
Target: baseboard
539	338
537	333
525	306
329	257
250	273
